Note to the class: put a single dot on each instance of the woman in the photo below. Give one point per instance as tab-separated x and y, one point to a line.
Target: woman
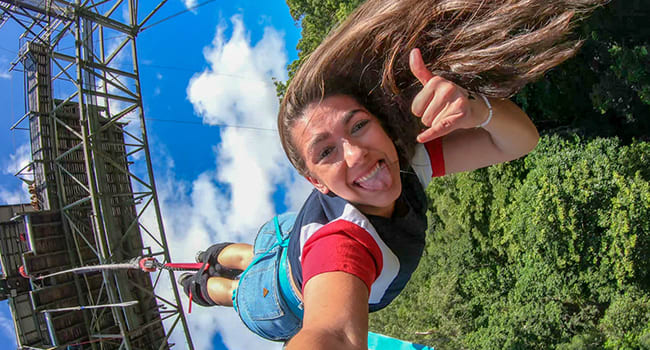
346	125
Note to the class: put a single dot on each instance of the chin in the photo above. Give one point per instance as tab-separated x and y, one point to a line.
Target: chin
385	202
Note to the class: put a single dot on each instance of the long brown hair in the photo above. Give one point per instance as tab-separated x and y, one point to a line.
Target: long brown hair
494	47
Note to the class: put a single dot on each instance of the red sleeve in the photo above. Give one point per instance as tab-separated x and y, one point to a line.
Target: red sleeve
434	149
342	246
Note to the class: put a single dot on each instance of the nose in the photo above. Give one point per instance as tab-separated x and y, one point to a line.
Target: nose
353	153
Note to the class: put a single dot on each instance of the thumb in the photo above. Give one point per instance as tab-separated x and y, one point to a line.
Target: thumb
419	70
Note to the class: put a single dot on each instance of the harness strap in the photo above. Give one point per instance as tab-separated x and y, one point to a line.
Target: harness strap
278	233
289	295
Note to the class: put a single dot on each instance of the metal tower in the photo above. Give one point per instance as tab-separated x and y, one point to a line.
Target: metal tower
91	181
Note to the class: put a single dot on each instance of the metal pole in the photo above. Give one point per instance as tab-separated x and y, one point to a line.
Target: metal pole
100	231
156	203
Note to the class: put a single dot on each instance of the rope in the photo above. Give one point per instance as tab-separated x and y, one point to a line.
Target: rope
139	263
82	307
133	264
171	267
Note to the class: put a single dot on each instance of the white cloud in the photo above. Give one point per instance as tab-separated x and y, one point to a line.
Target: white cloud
16	196
237	87
4	69
190	3
236	90
230	201
297	192
18	160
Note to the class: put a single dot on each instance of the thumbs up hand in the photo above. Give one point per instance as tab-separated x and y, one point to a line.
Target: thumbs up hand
442	105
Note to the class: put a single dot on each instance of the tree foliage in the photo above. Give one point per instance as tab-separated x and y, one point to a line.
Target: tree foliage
605	89
545	252
316	18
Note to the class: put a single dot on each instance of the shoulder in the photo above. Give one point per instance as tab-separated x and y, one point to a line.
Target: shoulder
428	161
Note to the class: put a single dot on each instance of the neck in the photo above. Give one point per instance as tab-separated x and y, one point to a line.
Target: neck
386	212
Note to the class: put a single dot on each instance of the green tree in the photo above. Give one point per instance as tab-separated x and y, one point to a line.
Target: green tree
605	89
316	19
549	251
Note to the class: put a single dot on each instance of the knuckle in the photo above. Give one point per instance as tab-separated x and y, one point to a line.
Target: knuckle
447	92
430	115
430	85
438	79
461	104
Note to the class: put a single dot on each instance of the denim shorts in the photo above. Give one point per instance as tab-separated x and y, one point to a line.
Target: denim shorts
258	299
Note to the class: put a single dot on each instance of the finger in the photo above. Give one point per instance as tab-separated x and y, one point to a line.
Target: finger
423	98
432	133
440	102
429	135
439	128
418	68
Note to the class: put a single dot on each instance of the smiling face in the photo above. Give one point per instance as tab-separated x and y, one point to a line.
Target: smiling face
347	151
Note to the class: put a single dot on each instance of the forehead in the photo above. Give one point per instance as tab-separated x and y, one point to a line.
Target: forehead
322	117
330	109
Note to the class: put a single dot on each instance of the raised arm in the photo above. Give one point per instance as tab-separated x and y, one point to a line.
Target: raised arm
450	113
509	135
336	313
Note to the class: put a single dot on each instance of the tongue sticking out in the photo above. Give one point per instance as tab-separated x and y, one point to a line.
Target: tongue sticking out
378	179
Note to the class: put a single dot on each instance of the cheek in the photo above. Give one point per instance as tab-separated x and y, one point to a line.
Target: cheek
390	148
382	138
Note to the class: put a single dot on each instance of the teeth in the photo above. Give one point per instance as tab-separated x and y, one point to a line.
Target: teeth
371	174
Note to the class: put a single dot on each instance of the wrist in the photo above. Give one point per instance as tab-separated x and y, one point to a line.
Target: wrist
488	111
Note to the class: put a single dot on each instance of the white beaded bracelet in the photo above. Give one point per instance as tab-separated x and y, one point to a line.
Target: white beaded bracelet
489	106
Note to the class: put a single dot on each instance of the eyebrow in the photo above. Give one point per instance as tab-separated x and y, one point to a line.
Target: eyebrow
322	136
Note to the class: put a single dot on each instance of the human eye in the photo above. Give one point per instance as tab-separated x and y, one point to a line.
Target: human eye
325	152
359	125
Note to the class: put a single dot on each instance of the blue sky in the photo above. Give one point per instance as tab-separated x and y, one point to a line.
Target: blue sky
200	70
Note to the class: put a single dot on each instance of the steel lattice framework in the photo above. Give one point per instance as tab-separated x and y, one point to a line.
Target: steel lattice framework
91	156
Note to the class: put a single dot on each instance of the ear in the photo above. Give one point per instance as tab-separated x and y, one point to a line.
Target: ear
319	186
